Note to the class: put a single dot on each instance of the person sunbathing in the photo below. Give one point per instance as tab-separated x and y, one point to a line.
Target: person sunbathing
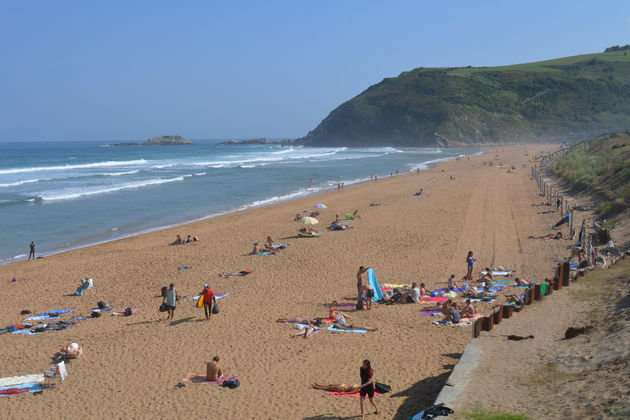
178	240
423	290
308	331
337	226
453	314
213	370
308	230
487	277
340	388
269	245
514	299
520	282
468	311
452	283
472	293
355	215
256	250
296	320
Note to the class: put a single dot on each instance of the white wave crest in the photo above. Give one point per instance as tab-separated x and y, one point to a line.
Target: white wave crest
122	173
199	173
70	167
15	184
73	193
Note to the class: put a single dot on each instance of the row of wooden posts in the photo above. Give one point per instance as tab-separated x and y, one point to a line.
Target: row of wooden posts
551	196
532	294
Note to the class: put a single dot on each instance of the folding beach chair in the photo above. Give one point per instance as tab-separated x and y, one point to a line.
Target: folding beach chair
57	371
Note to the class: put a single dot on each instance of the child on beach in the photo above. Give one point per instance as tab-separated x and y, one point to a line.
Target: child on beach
470	260
451	283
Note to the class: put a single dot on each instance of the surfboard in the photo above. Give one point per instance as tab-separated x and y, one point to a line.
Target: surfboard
200	302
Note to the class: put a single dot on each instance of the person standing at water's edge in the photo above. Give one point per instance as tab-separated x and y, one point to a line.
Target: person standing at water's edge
171	301
32	252
367	386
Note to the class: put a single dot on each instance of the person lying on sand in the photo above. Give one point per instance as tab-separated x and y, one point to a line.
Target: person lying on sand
213	370
472	293
299	320
338	226
308	230
269	245
520	282
340	323
514	299
307	332
487	277
355	215
340	388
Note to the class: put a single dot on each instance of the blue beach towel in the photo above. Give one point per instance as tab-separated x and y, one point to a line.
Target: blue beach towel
183	267
378	293
45	315
332	328
31	386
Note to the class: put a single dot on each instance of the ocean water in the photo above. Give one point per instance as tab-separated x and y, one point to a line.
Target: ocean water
64	195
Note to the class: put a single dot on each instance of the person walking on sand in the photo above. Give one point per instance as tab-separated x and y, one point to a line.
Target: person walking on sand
208	300
171	299
32	252
213	370
470	260
366	387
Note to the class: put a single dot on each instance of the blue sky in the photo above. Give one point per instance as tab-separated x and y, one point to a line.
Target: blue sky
86	70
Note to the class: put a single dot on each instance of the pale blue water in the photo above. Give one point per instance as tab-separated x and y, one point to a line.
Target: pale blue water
69	194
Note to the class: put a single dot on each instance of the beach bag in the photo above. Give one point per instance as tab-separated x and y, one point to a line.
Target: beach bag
359	306
382	388
95	314
215	308
101	305
164	289
231	383
128	312
163	307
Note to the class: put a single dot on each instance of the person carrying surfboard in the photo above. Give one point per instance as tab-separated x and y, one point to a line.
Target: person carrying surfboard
208	299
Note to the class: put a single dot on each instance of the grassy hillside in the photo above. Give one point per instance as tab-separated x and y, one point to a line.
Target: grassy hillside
548	100
603	166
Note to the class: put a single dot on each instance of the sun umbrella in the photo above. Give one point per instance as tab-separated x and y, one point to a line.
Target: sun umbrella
308	220
320	206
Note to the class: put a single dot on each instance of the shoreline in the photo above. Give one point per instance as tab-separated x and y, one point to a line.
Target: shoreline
424	166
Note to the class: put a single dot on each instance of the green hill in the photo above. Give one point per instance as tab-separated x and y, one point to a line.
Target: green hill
575	97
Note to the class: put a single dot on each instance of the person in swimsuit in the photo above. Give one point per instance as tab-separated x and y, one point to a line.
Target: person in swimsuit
471	262
341	324
369	294
360	280
340	388
308	331
452	283
367	386
213	370
171	299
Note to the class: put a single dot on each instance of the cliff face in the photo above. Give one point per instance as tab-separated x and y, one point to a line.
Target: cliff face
568	97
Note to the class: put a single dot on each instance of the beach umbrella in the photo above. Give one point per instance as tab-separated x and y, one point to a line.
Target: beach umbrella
320	206
308	220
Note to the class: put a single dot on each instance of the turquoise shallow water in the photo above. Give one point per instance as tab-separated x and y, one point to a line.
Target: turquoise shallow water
69	194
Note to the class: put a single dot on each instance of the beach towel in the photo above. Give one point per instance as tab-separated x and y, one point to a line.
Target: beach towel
237	273
417	195
332	328
498	273
433	299
183	267
20	380
197	378
45	315
17	389
261	253
217	296
102	310
449	323
310	235
397	286
431	313
342	394
26	332
280	246
378	293
133	311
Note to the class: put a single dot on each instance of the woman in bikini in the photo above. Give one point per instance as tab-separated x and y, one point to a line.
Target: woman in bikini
471	262
340	388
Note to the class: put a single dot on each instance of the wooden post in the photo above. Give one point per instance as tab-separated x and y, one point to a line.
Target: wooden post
488	323
564	273
497	315
537	292
507	311
477	324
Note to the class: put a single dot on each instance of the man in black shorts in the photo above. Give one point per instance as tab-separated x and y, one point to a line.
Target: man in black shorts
369	294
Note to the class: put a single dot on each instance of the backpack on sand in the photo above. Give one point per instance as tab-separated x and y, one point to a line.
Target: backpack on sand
128	312
231	383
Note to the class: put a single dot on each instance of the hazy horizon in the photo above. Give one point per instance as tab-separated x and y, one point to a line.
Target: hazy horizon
129	71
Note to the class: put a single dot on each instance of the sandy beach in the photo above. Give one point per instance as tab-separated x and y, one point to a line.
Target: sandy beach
131	364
